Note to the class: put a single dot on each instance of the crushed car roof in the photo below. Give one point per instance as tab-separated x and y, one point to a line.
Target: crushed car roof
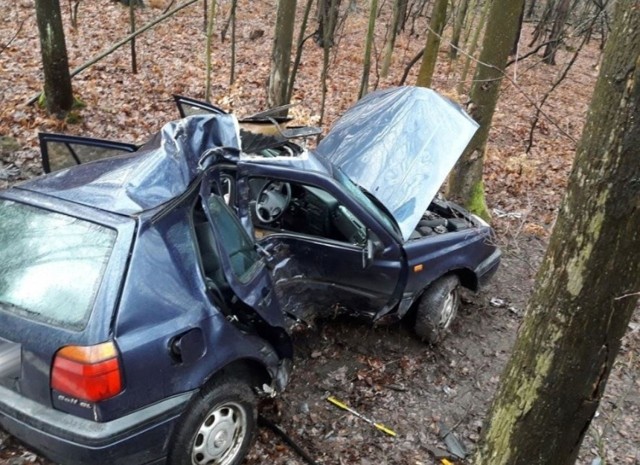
400	144
159	171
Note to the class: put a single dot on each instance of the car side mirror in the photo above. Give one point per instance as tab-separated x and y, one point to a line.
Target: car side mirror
371	247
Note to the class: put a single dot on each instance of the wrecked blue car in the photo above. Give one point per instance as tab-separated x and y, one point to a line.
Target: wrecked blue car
147	294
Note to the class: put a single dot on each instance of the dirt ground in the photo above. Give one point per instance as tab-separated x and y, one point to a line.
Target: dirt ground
384	372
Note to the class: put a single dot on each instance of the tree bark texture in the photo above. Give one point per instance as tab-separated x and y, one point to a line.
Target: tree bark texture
327	21
461	16
465	182
366	67
281	54
430	55
55	65
391	39
559	21
588	285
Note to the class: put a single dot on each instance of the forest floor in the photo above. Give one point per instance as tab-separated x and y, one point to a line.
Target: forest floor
384	372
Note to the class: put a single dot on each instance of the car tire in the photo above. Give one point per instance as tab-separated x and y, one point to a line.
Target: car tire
218	428
437	308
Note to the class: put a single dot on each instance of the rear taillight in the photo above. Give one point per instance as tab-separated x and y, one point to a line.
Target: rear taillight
90	373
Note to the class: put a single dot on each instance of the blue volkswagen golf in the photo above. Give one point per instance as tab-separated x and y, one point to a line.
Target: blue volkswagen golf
147	293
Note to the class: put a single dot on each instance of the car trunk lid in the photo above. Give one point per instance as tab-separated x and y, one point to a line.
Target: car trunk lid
400	144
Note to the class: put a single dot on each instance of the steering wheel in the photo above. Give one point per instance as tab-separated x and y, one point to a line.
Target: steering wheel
272	201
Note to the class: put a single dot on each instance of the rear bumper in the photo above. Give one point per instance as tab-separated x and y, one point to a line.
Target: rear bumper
488	268
138	438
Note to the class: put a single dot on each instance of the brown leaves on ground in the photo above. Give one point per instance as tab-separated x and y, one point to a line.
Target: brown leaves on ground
384	373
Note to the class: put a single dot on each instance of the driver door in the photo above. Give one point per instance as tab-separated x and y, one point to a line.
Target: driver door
240	275
317	275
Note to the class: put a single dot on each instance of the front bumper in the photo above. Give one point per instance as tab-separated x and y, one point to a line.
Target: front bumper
485	270
135	439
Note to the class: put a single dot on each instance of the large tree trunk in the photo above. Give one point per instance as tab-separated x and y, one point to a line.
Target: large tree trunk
281	55
588	285
465	182
430	55
55	65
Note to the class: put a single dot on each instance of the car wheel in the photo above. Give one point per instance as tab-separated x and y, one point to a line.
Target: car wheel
218	428
437	308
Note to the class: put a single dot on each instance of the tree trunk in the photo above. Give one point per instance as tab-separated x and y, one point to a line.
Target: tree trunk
560	18
132	29
299	47
457	28
391	39
364	82
327	20
531	9
55	65
587	287
430	55
211	21
281	54
471	50
465	182
516	39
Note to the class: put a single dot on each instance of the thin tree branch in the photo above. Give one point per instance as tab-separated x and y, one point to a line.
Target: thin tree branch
516	85
6	46
411	64
532	52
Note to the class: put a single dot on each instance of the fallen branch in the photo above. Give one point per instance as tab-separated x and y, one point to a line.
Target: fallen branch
532	52
119	44
413	61
6	46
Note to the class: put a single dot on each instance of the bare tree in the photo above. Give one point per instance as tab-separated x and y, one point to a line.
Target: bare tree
465	182
588	284
58	95
281	52
430	55
366	68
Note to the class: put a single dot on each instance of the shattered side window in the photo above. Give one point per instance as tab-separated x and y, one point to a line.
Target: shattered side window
51	265
235	241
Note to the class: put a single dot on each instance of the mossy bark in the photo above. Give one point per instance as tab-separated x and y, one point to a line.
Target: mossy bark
55	65
430	55
281	54
501	30
588	285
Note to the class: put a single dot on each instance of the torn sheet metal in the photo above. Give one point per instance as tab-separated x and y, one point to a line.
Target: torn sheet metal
158	172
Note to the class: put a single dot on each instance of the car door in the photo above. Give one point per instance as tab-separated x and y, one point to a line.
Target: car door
316	275
250	296
60	151
188	107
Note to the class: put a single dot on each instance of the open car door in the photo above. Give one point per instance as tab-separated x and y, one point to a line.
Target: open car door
60	151
189	107
235	272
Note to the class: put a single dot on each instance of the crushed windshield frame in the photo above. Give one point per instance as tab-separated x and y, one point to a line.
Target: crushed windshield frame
360	195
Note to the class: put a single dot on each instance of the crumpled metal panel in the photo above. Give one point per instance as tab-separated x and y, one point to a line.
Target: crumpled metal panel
159	171
400	144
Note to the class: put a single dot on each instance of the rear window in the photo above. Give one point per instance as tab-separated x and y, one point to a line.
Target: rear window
51	265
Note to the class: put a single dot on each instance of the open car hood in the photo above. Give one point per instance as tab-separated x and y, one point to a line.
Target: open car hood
400	144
